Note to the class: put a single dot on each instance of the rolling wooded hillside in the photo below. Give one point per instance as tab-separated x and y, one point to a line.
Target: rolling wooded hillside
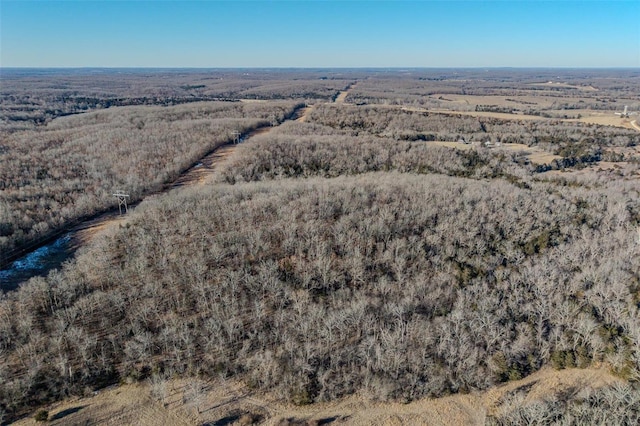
360	251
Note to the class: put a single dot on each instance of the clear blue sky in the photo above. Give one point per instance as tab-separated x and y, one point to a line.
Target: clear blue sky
319	33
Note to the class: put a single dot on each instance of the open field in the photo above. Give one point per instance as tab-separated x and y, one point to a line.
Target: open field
535	155
604	119
565	85
342	265
170	403
498	115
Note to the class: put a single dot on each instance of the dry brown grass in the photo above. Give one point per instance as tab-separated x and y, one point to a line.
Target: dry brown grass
537	100
565	86
342	96
604	119
600	169
133	404
304	114
534	154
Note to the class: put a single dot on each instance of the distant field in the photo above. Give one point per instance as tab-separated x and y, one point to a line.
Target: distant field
605	119
499	115
565	85
387	247
534	154
515	101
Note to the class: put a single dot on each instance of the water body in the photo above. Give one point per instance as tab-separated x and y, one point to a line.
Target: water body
37	263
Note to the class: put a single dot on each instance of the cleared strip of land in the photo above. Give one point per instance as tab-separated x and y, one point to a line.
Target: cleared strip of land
227	402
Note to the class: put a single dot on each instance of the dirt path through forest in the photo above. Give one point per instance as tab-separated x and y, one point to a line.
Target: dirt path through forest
83	232
340	99
199	174
305	114
342	96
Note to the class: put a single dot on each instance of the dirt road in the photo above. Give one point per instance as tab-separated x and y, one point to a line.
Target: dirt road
199	174
53	252
305	114
342	96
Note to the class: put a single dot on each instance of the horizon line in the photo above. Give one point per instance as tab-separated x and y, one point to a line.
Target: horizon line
311	67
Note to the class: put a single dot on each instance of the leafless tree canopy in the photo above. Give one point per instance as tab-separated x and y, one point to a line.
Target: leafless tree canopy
338	255
53	175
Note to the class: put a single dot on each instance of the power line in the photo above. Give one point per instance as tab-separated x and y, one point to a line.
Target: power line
122	200
236	136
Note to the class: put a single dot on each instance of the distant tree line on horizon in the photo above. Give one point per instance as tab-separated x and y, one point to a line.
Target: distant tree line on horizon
458	272
342	255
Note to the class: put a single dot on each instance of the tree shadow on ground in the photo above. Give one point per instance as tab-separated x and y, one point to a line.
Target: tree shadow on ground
230	419
65	413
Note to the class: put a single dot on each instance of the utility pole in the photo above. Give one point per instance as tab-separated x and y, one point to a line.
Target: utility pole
236	136
122	200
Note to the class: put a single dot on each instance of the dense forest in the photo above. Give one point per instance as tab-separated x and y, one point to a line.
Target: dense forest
343	254
53	175
554	136
34	97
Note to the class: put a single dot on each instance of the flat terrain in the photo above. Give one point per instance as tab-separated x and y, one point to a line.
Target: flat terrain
565	85
605	119
534	154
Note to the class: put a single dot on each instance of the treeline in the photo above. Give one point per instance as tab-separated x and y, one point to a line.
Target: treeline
395	284
56	174
304	150
34	97
597	89
614	405
561	138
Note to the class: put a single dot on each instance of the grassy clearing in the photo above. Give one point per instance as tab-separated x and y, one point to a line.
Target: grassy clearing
171	403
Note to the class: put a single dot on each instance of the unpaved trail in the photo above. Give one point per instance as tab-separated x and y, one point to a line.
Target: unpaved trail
342	96
634	124
225	401
81	233
199	174
305	114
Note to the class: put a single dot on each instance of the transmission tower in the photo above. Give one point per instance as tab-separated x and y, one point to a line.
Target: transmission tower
236	136
122	200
